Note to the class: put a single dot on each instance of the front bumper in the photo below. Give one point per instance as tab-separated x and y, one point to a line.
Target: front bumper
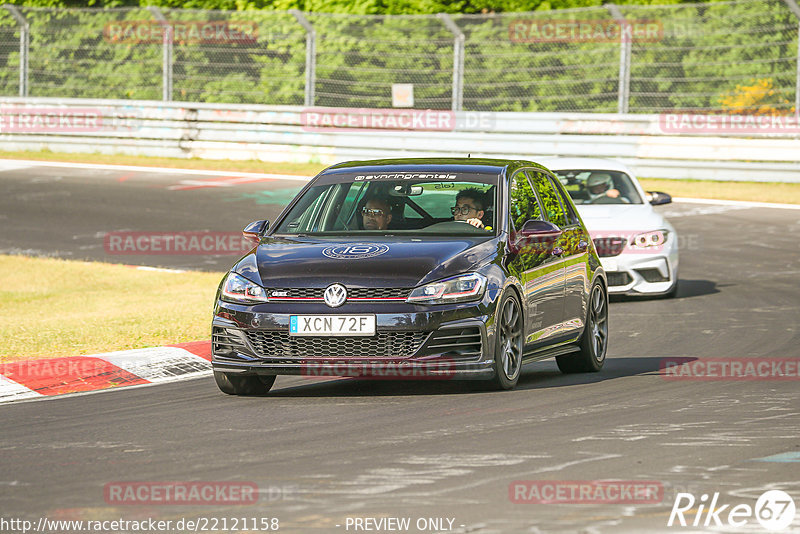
412	342
638	274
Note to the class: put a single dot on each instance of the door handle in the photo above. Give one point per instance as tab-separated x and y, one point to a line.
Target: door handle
583	244
558	251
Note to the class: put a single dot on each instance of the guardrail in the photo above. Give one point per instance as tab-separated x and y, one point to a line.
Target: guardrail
658	146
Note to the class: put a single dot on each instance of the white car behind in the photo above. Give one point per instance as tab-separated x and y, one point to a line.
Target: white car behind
637	246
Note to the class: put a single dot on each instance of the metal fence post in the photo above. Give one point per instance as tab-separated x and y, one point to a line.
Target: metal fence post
796	10
166	56
311	55
624	59
458	60
24	47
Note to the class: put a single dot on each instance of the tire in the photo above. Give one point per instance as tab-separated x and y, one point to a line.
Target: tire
234	384
672	291
508	343
594	341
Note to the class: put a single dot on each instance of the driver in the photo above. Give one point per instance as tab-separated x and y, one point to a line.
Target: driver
376	214
600	185
469	207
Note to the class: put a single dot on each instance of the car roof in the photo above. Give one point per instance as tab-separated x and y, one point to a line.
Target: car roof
474	165
565	164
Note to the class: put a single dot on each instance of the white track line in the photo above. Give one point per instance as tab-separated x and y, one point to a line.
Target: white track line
11	391
740	203
158	364
167	170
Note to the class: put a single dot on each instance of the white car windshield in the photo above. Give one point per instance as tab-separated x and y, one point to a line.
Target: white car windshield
599	186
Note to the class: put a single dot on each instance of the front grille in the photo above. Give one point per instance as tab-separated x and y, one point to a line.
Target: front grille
377	292
619	279
610	246
352	293
464	342
279	344
297	293
652	275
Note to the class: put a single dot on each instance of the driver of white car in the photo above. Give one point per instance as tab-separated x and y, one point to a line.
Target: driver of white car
600	187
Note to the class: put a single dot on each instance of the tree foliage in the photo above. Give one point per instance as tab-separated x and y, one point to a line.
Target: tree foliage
357	7
703	54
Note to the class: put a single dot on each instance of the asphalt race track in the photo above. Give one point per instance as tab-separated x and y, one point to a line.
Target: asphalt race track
325	452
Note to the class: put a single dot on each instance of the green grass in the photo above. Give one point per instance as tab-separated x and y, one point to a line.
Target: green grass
753	191
52	307
302	169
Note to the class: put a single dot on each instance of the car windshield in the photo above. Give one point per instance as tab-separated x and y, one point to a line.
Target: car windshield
378	204
599	187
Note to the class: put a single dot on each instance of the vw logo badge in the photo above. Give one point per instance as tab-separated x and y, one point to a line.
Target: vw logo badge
335	295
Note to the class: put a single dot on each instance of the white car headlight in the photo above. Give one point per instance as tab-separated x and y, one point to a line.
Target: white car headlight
461	288
656	238
239	289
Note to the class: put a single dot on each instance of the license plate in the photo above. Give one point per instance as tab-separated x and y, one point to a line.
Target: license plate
609	265
332	325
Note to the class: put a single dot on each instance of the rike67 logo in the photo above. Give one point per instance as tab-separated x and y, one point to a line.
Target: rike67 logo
774	510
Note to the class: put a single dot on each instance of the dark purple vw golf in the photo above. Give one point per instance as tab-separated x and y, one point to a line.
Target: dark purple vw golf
418	269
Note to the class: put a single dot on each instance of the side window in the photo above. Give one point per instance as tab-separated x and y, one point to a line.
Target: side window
348	197
572	217
523	204
550	200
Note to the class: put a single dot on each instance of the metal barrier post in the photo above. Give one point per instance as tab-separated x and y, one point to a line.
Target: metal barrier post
166	60
796	10
311	55
625	38
24	47
458	60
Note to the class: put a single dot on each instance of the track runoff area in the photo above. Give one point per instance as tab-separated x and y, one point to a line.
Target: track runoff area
707	444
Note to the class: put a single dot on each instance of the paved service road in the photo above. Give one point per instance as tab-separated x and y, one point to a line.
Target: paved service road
329	452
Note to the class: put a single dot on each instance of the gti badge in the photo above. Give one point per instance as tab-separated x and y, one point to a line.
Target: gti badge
335	295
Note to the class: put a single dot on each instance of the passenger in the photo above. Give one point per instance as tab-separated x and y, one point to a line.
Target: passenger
470	207
377	214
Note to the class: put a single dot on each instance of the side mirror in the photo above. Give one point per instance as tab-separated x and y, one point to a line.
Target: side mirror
535	236
537	228
255	230
657	198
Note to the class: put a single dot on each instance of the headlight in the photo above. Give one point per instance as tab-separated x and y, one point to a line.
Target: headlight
656	238
237	288
458	289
